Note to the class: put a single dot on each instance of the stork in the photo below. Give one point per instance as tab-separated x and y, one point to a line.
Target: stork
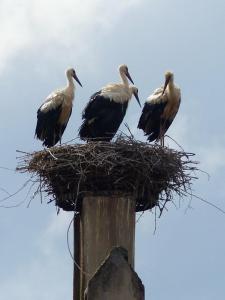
160	110
106	109
53	115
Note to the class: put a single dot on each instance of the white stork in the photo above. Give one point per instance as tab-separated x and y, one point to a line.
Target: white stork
160	110
53	115
106	109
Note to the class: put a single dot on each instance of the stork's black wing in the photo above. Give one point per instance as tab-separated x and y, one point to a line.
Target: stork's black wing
48	129
150	119
92	106
101	118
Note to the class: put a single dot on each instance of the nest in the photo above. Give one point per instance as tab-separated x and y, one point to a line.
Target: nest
149	173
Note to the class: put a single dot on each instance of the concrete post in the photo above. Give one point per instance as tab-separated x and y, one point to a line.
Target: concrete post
105	222
115	279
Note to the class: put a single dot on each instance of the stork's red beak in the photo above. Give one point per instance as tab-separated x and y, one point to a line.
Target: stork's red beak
76	78
129	77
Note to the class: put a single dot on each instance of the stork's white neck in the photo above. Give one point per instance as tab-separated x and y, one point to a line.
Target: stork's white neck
70	86
124	78
70	82
172	91
171	85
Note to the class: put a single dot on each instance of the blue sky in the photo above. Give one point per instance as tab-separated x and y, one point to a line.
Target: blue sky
184	259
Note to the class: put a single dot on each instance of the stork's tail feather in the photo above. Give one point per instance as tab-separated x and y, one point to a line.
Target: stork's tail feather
84	131
153	136
141	124
49	143
49	138
150	139
91	132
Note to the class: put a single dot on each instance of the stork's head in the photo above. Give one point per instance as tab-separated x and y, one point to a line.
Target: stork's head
71	73
168	78
134	91
123	69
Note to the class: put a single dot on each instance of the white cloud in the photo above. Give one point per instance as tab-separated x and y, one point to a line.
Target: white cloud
179	132
71	24
212	157
55	231
14	30
39	278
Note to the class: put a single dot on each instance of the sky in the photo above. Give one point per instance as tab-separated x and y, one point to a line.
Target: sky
184	257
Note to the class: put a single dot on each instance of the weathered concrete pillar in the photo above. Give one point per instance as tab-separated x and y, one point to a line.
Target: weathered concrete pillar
115	280
105	222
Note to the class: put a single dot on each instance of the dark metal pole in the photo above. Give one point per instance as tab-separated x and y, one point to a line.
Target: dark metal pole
76	272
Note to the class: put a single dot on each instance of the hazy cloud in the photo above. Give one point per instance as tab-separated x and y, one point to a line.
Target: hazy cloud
71	24
212	157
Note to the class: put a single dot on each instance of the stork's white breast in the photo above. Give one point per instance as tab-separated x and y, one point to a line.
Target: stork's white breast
118	93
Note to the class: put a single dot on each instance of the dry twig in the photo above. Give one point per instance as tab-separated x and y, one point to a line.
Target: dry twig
150	173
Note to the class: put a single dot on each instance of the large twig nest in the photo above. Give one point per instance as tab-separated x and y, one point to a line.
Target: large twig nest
149	173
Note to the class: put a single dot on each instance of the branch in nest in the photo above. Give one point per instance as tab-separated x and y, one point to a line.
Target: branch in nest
150	173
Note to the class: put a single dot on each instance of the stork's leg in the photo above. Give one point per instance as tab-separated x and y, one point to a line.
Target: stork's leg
60	138
160	136
161	132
